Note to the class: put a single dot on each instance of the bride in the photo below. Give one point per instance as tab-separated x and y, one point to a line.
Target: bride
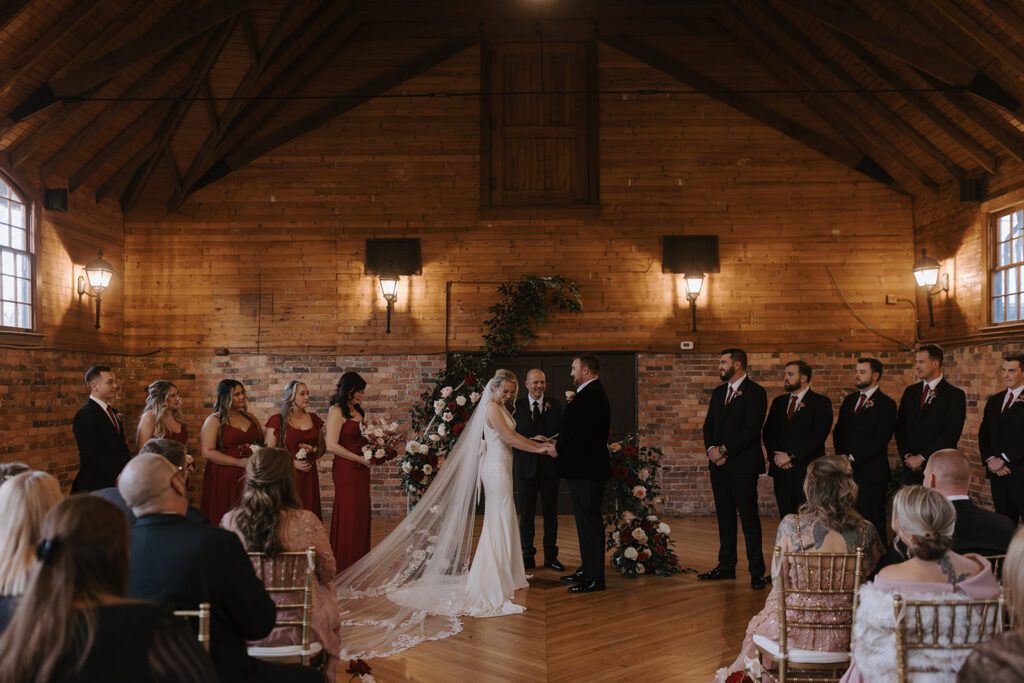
416	583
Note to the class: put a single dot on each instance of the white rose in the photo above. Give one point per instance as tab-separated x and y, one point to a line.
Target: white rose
434	437
639	492
446	392
664	529
427	469
442	430
411	446
379	453
440	461
393	427
640	569
474	397
630	553
615	536
424	449
639	535
644	473
447	416
652	518
412	488
407	467
460	400
628	516
439	406
378	432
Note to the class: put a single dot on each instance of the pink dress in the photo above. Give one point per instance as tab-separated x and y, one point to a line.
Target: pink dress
298	530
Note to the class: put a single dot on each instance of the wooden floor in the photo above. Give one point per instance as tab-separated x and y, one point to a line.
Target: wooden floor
648	629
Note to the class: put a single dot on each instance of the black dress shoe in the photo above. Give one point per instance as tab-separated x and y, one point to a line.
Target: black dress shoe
529	564
554	564
717	574
591	586
574	577
759	583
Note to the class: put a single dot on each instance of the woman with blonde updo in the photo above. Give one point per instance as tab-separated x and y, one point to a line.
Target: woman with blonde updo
923	519
270	519
162	417
300	432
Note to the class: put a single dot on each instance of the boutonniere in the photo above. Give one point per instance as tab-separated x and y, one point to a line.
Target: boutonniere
736	394
868	404
1020	399
800	406
569	396
931	397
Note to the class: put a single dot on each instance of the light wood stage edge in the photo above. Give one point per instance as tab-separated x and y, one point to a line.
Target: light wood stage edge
648	629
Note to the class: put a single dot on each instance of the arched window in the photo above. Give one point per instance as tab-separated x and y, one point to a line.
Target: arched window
16	262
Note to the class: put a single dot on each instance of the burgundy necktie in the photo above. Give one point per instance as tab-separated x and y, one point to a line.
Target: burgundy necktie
792	407
1009	401
729	396
860	403
924	395
113	418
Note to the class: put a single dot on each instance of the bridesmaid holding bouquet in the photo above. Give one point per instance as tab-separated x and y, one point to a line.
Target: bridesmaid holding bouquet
303	438
227	439
350	523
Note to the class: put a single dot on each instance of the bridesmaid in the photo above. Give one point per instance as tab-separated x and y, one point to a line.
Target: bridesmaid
302	430
226	442
161	418
350	523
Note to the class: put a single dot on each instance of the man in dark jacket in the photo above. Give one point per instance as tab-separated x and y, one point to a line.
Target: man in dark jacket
99	433
1001	441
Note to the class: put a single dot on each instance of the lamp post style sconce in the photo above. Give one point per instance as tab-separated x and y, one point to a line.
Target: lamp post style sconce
926	272
389	288
98	274
694	283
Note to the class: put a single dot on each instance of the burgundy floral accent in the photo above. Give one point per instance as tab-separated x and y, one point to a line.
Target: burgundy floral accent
357	667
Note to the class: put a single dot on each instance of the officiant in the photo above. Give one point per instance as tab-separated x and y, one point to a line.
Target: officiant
537	415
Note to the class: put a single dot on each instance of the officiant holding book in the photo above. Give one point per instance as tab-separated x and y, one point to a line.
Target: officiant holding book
537	417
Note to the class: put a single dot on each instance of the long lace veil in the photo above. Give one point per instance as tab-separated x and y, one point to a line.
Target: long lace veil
411	586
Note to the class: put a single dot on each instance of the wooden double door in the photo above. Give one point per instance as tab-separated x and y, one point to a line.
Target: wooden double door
618	375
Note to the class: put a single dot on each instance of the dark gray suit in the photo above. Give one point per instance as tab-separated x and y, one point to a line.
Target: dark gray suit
537	474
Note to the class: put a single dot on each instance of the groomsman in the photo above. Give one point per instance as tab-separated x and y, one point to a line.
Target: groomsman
794	434
1001	441
99	432
931	415
537	415
862	434
732	439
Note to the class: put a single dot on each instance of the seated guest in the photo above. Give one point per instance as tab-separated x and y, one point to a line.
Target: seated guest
923	519
827	523
1001	660
270	519
74	624
24	501
976	531
180	564
9	470
175	453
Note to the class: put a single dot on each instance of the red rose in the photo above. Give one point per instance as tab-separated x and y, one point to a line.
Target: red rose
620	473
457	429
417	475
463	414
738	677
432	459
644	555
631	451
357	667
451	405
470	378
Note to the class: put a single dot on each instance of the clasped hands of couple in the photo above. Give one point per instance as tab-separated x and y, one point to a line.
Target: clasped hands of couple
547	444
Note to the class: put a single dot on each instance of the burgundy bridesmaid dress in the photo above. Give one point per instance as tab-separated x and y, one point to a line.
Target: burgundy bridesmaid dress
181	437
307	483
223	484
350	523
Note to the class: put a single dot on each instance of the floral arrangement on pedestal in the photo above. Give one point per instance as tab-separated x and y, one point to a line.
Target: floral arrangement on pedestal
639	540
448	403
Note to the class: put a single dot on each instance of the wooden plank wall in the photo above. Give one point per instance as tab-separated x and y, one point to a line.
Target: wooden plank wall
272	256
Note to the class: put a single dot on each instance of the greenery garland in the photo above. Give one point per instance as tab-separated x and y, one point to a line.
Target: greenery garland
448	403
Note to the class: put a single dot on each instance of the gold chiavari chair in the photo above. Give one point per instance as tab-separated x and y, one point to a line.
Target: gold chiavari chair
817	592
997	564
290	574
203	615
940	625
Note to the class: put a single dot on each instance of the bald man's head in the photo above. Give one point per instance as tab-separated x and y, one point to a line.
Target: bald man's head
150	484
536	383
949	472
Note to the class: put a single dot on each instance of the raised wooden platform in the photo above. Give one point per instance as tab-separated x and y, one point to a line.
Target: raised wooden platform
649	629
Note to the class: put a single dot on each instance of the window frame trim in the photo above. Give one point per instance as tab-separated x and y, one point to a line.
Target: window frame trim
991	246
33	336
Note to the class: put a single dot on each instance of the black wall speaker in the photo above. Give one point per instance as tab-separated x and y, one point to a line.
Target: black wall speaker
55	199
394	256
973	189
681	253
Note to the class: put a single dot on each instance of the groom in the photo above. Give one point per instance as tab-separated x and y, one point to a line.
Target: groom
583	460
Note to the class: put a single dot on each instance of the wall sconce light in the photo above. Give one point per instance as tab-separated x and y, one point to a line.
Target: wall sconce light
694	283
98	274
926	272
389	288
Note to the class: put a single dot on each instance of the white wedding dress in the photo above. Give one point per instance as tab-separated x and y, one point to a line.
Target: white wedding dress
416	583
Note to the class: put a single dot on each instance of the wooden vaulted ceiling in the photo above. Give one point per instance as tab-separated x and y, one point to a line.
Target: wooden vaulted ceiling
155	99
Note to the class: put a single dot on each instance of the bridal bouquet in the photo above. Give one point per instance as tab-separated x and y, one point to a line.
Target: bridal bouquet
382	440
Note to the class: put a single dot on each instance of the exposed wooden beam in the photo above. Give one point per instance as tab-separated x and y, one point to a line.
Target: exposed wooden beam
11	9
172	166
211	110
316	118
1013	21
748	34
164	35
526	30
170	124
841	152
985	39
100	124
1006	136
811	50
123	174
968	144
43	44
251	41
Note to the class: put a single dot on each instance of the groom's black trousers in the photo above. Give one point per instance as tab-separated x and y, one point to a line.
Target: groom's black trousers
587	495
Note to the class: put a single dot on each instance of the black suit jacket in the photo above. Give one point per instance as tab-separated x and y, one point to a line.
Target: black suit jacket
583	435
1003	433
525	464
866	435
803	437
737	426
181	564
922	431
980	531
102	451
